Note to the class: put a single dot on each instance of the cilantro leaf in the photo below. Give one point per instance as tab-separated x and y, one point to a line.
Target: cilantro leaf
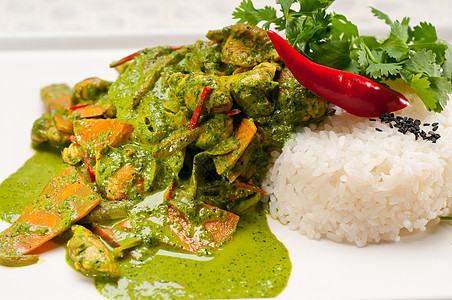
308	6
447	66
421	85
414	54
247	13
342	28
425	33
383	70
442	87
423	62
334	54
380	15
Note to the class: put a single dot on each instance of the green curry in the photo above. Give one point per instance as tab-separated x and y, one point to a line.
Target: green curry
169	159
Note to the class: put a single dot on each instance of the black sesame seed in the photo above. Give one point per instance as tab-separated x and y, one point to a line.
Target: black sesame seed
408	124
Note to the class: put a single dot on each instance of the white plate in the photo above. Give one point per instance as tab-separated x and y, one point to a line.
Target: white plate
417	267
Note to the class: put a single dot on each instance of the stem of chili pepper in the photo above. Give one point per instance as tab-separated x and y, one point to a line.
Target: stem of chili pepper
356	94
197	114
124	60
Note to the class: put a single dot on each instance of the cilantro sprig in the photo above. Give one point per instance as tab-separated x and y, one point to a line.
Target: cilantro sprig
414	54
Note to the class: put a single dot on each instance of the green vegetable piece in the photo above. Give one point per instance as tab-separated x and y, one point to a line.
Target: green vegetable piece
88	255
17	259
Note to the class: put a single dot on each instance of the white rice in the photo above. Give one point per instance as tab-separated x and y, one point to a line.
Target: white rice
347	182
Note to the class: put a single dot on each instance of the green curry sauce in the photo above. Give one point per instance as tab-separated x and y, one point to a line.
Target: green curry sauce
176	150
253	264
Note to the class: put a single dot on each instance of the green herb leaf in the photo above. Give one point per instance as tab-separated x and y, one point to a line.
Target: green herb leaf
423	62
383	70
425	33
421	85
414	54
380	15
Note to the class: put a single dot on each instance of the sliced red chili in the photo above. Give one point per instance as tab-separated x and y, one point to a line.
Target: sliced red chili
124	60
73	139
356	94
79	106
170	191
198	110
249	186
211	42
233	112
89	169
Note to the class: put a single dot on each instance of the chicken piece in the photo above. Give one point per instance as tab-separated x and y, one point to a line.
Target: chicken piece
90	89
244	45
89	255
57	96
215	130
73	154
45	130
298	103
253	89
124	178
190	87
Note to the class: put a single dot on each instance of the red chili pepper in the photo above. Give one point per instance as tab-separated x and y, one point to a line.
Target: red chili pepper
233	112
124	60
248	186
356	94
211	42
170	191
197	114
89	169
79	106
73	139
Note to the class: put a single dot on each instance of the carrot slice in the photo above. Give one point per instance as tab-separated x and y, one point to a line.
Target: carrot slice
62	202
220	229
245	134
106	233
101	133
91	110
125	224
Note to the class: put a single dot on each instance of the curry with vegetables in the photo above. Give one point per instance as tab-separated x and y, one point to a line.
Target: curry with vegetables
169	156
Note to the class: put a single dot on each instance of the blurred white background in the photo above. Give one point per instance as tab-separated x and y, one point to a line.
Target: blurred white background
43	17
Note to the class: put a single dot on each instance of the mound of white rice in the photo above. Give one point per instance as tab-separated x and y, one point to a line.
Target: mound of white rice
346	181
